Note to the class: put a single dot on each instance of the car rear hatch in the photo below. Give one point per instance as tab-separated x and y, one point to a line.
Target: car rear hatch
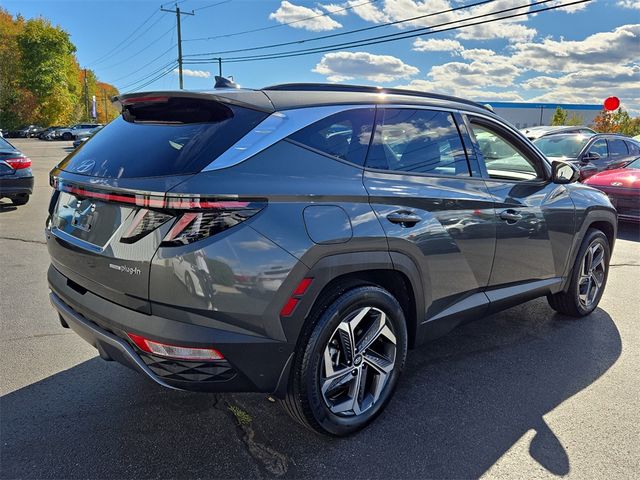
111	208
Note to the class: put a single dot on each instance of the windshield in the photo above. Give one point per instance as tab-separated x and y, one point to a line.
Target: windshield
634	164
561	145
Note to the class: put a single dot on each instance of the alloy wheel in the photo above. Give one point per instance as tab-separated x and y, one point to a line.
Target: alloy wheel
592	275
357	362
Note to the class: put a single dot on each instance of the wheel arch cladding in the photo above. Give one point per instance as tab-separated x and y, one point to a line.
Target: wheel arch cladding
336	274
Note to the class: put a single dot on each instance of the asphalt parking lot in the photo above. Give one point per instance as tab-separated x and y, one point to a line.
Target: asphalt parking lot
525	393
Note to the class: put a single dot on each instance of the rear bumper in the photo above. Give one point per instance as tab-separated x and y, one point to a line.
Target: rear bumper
10	186
251	364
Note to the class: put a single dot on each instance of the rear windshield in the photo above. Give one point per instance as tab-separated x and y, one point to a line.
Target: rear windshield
562	145
178	136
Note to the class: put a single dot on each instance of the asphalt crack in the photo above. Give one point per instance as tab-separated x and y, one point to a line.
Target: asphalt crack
15	239
272	461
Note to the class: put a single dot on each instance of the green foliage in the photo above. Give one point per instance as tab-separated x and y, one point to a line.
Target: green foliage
40	79
575	120
559	117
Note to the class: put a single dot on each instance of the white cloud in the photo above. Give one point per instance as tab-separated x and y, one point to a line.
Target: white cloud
629	4
437	45
579	71
511	30
341	66
335	9
464	92
306	18
193	73
617	47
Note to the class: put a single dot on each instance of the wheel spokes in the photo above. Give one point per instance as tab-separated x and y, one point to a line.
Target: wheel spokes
357	362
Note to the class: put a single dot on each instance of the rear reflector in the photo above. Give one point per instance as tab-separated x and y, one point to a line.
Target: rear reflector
299	291
18	162
289	307
174	351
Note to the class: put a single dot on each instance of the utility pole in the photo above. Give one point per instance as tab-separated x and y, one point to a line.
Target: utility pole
220	66
86	95
106	115
178	13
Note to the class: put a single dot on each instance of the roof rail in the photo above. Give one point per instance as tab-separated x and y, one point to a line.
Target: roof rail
334	87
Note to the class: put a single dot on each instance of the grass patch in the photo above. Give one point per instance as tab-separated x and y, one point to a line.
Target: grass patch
242	417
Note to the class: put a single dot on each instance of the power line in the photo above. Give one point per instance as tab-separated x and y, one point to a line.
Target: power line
167	72
350	32
129	43
209	6
144	78
127	38
280	24
145	48
150	62
399	36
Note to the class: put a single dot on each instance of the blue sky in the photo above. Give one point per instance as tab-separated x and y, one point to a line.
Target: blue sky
581	56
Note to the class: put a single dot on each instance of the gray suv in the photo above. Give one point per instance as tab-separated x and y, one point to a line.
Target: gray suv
298	240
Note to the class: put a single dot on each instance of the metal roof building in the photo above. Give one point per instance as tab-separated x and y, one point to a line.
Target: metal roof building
523	114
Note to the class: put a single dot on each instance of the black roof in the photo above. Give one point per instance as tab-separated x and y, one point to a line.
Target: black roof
300	95
292	95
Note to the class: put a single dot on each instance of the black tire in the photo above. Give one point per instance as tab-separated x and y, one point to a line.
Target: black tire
305	401
20	200
67	136
569	303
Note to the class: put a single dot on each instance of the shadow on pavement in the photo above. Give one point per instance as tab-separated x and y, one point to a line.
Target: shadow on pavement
463	401
629	231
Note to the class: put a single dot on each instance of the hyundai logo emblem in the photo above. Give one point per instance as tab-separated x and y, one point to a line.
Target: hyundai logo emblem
85	166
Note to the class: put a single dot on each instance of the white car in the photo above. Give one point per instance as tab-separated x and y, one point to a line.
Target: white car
75	131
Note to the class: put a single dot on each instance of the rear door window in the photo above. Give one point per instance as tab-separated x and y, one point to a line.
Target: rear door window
417	141
344	135
177	136
618	148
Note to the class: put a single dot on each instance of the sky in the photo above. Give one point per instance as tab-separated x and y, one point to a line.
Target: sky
579	54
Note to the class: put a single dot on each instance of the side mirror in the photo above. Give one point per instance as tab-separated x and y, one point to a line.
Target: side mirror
563	172
590	156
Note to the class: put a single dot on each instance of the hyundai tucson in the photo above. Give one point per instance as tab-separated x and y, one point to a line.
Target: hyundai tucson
298	240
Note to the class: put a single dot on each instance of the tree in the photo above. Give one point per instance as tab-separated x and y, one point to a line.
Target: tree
40	78
575	120
559	117
617	122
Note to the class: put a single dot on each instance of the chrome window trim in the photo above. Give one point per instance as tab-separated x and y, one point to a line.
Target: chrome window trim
277	126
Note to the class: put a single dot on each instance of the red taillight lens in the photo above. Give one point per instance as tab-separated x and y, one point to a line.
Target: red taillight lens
197	216
18	162
194	226
175	351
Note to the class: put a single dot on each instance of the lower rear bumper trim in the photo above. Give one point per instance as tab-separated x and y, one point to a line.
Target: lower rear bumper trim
110	346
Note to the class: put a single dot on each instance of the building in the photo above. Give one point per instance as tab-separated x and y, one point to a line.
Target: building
523	115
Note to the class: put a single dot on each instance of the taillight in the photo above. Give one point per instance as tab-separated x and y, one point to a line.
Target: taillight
145	222
193	226
175	351
197	216
18	163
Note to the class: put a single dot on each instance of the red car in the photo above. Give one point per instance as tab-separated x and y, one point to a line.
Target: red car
622	185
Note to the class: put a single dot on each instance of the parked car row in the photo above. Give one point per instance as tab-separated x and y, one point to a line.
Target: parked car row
56	132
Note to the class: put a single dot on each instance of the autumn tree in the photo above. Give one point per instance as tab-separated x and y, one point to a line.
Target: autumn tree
559	117
40	78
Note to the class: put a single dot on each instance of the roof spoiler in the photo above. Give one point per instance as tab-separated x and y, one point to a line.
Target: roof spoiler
253	99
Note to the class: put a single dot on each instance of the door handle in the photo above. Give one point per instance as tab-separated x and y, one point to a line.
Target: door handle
511	216
404	218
